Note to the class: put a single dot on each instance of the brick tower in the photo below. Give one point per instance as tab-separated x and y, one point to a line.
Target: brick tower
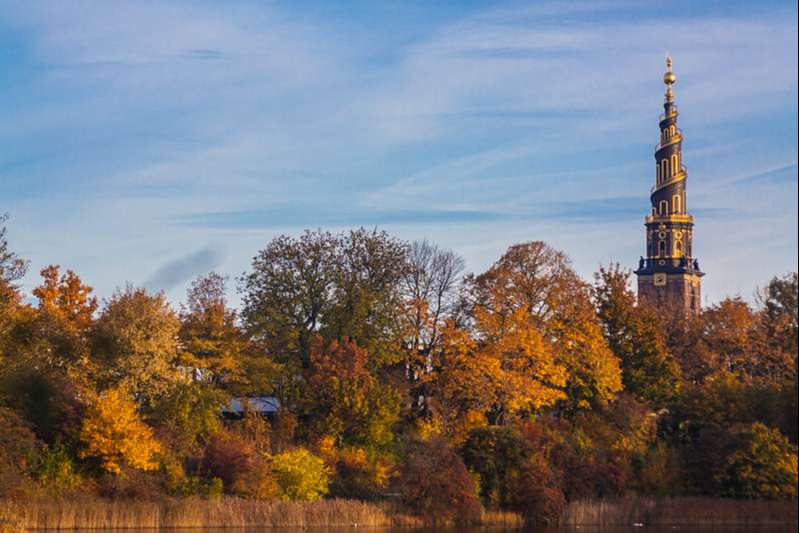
669	274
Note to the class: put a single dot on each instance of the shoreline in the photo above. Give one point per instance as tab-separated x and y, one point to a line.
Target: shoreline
230	512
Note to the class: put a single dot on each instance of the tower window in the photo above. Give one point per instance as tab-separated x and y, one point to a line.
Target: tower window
675	203
664	171
664	207
662	249
674	164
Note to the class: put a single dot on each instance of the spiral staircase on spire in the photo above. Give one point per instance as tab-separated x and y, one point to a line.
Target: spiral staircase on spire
669	272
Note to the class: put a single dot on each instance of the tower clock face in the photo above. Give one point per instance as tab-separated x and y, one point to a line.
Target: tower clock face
660	279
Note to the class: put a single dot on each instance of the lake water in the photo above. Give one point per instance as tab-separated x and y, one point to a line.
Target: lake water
581	529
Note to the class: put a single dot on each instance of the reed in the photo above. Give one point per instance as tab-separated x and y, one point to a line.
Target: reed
191	512
679	511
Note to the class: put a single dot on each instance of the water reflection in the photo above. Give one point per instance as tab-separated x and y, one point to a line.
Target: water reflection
582	529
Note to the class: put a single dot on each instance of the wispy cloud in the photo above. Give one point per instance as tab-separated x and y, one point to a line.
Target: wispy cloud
180	270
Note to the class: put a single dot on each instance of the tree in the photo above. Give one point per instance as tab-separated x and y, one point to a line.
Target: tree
436	485
114	434
633	334
12	267
189	414
56	335
136	344
367	301
498	455
779	330
763	464
209	337
288	292
430	284
301	475
538	280
345	400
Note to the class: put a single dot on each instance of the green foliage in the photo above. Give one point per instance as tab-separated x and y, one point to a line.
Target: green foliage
190	413
54	468
498	455
761	464
634	335
301	475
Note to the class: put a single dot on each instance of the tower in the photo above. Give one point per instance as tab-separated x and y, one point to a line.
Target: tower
669	274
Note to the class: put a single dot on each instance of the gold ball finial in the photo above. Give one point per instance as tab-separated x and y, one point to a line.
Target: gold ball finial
669	78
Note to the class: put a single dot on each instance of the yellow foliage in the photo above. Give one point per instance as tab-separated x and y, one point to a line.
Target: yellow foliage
113	433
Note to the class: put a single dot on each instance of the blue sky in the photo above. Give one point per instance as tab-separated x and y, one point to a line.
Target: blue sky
149	142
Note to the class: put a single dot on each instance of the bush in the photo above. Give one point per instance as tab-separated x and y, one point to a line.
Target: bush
18	447
437	486
242	470
763	464
359	474
301	475
55	469
537	494
497	455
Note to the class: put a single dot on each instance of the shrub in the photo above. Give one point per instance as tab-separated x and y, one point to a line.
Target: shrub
762	465
55	469
359	474
301	475
497	455
537	494
436	485
242	470
18	446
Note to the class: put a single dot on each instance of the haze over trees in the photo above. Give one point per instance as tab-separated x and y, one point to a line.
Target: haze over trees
523	387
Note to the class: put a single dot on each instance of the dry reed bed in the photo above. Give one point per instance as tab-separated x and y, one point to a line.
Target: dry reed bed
222	512
679	511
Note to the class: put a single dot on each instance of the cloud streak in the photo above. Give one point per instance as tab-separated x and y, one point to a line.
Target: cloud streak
178	271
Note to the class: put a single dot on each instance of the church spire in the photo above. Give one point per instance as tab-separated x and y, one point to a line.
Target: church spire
670	272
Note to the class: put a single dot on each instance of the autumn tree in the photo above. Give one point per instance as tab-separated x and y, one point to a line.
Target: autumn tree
57	334
779	330
114	434
288	293
12	268
633	334
135	344
499	369
761	464
210	339
345	401
538	281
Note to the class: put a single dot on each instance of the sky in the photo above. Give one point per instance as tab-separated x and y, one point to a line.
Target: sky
149	142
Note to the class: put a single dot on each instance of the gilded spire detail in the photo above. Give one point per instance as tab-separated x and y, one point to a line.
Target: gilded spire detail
669	79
